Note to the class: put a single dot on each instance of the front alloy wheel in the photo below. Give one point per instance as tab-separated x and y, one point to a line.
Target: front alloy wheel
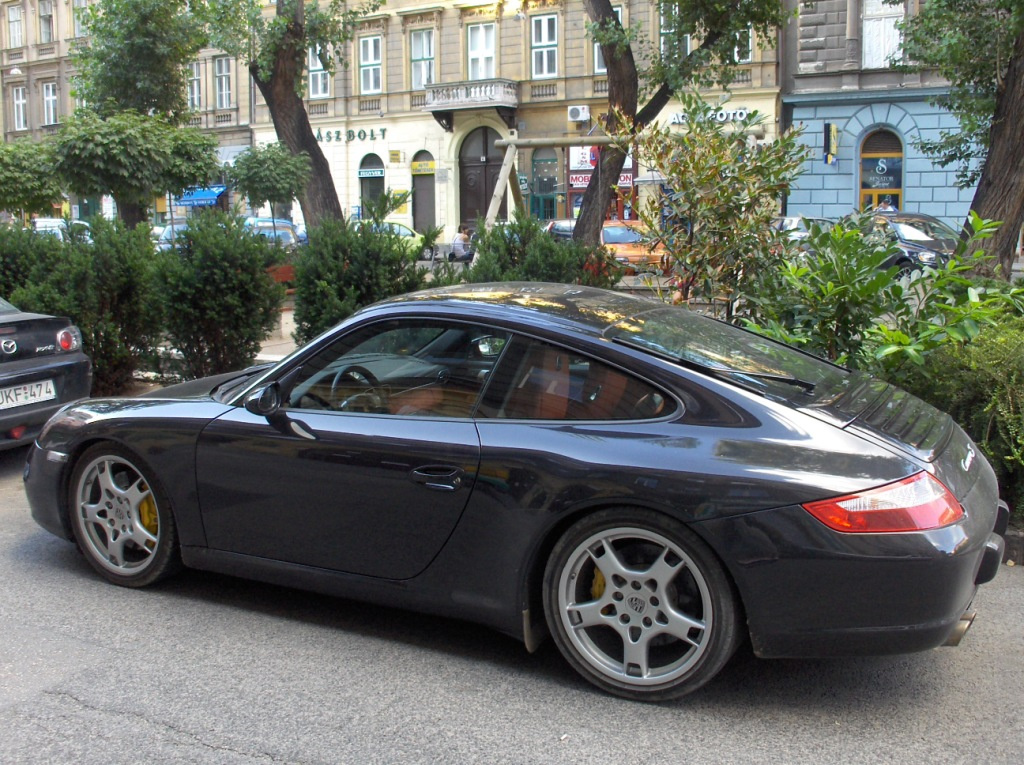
121	518
639	605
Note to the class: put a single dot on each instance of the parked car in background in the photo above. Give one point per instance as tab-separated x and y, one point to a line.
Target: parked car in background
278	230
414	239
42	367
922	239
649	486
797	227
170	234
561	229
626	241
63	228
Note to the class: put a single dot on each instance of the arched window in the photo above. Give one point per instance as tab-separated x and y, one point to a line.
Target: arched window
371	179
881	170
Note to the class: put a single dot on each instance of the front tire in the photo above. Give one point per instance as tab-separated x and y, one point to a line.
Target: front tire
639	605
121	517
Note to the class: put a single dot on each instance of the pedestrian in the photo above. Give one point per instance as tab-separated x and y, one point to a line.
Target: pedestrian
460	246
886	206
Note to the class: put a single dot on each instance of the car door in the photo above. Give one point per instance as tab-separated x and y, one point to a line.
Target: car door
370	463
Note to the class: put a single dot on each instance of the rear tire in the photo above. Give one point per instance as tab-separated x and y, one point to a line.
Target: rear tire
121	517
639	605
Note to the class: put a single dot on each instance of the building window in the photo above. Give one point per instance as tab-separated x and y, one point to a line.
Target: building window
222	70
195	87
319	79
544	42
881	37
881	170
481	51
20	102
46	21
80	17
600	65
744	47
49	103
369	64
14	36
673	41
422	44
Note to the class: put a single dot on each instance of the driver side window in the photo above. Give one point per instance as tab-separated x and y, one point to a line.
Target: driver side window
413	367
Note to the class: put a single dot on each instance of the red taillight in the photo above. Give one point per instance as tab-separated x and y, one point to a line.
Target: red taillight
914	504
67	339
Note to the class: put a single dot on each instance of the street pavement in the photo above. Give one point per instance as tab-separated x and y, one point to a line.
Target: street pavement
210	669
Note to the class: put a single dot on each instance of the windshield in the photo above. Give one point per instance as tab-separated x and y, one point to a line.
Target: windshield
621	235
745	357
932	234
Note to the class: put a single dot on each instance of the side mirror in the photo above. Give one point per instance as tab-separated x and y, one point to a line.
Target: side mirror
264	401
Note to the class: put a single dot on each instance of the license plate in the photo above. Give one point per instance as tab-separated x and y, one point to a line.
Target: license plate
27	393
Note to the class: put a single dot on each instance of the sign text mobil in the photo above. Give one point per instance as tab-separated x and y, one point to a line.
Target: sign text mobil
328	136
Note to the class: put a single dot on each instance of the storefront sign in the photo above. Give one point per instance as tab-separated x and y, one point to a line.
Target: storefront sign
423	168
721	116
372	172
881	172
524	183
329	136
580	180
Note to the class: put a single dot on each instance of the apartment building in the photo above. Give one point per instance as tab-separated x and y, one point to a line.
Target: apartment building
861	116
429	88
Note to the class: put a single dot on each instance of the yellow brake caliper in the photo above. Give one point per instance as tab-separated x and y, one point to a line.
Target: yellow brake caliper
148	515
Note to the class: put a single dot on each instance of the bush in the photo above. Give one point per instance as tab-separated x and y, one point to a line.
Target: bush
521	251
105	287
981	384
219	302
20	249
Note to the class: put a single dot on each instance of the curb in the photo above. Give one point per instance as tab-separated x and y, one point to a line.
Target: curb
1013	555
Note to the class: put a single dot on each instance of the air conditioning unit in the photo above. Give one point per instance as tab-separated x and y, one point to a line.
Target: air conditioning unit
579	113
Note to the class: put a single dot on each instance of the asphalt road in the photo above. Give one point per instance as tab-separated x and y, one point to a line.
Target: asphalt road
209	669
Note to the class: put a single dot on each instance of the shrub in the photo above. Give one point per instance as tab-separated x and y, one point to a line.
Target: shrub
105	287
521	251
981	384
219	302
20	249
345	267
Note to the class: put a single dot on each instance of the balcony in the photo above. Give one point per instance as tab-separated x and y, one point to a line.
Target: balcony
444	99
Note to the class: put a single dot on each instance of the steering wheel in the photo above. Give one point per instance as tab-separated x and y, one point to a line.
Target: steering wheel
369	399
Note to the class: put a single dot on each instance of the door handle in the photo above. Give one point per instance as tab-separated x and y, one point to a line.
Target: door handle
440	477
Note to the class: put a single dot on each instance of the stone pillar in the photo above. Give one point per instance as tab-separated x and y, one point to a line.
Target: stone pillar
853	27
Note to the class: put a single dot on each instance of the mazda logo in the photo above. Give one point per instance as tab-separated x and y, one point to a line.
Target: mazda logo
9	346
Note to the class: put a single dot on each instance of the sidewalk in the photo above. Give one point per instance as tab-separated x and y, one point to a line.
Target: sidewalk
280	342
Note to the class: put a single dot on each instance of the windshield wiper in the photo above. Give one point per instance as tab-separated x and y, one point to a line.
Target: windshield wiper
718	372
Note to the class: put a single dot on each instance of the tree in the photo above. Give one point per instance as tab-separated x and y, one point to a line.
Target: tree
132	157
30	182
269	174
720	26
723	191
276	48
978	45
136	56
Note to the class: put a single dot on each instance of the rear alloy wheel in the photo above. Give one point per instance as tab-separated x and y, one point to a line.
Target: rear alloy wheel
121	518
639	605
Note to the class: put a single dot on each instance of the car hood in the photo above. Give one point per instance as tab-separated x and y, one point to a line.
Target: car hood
207	387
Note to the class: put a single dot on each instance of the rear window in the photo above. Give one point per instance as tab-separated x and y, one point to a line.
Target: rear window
621	235
6	307
726	351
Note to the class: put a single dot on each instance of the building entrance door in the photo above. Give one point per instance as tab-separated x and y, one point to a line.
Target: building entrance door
479	166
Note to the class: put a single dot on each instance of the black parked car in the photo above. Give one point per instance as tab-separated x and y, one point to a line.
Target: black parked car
42	367
647	485
922	239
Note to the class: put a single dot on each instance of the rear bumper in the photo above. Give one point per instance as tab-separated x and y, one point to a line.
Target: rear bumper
72	380
810	591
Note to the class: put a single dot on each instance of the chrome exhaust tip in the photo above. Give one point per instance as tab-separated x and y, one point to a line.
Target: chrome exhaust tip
961	628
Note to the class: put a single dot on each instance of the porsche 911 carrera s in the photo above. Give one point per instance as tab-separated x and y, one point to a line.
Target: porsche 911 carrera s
647	486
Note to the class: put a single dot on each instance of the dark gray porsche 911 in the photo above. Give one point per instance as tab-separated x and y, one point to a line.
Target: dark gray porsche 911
647	485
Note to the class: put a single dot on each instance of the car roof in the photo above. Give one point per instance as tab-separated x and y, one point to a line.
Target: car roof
584	309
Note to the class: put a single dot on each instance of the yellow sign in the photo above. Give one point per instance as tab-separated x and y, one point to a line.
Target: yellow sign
424	168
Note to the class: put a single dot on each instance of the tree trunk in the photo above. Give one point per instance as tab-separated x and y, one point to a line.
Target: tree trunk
622	95
132	213
1000	192
320	199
